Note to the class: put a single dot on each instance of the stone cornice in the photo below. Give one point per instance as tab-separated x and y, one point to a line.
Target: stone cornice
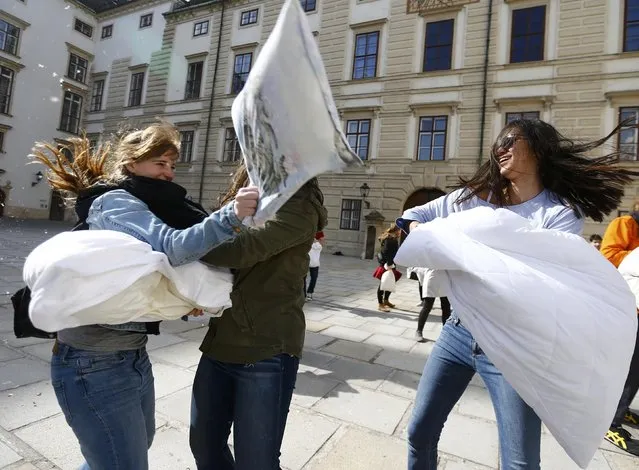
435	6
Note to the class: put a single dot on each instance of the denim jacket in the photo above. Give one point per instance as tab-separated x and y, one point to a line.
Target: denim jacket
120	211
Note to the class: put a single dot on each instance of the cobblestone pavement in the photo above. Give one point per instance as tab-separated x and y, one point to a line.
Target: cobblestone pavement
353	399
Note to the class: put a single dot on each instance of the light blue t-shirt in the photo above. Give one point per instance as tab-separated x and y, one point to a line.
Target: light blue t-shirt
544	211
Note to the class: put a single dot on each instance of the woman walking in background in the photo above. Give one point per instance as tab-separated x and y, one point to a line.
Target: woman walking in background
433	286
390	245
313	267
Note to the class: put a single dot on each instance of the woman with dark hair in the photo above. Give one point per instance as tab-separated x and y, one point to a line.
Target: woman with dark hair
547	178
248	368
389	246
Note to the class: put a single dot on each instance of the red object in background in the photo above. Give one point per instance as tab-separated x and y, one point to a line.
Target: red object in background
379	272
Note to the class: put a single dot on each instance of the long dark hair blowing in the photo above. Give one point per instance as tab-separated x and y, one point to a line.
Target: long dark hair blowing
591	186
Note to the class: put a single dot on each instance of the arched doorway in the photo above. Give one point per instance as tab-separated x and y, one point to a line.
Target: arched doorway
421	197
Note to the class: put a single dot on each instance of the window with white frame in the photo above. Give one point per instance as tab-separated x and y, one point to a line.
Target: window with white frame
524	115
631	26
136	88
6	89
249	17
232	151
365	55
358	133
241	70
432	138
71	112
193	80
438	46
78	67
629	134
9	37
97	92
146	20
351	214
201	28
308	5
84	28
186	146
527	34
107	31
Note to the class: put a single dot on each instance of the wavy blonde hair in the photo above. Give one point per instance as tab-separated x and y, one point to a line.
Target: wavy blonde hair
106	164
391	232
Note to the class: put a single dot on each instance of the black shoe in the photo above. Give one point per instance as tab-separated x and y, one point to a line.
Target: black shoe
621	438
631	419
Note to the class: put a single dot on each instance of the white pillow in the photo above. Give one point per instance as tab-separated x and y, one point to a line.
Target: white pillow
285	118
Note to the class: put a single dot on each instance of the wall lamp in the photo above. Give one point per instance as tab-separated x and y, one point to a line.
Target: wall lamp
364	191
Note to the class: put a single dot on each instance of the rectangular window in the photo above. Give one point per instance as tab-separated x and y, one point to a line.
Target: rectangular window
9	36
351	214
438	48
527	35
135	93
93	142
358	136
83	28
201	28
631	26
232	151
1	141
71	112
308	5
241	71
193	80
365	59
186	146
432	138
107	31
96	95
77	68
248	17
629	134
6	88
526	115
146	20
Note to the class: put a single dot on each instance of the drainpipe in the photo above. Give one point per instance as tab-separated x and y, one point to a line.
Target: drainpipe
208	124
485	85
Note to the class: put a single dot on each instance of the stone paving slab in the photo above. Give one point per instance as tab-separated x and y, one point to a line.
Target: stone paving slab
356	373
7	455
377	411
311	431
28	404
363	352
470	438
357	449
184	354
22	371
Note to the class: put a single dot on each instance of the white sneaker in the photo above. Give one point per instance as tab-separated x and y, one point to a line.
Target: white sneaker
309	297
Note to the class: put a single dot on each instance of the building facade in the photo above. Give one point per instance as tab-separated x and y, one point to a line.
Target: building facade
422	87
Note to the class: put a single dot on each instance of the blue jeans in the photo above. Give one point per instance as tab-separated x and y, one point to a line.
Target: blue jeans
255	398
453	362
108	399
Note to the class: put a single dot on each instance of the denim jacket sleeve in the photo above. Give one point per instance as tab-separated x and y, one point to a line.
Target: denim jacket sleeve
120	211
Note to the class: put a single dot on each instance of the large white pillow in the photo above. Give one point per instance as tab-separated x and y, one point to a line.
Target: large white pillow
285	117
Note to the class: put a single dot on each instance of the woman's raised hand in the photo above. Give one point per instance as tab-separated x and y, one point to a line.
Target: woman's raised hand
246	202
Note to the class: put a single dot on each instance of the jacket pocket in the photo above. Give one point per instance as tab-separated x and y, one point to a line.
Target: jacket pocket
240	313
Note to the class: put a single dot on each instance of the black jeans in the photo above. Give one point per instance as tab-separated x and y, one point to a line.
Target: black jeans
630	388
428	306
382	296
311	286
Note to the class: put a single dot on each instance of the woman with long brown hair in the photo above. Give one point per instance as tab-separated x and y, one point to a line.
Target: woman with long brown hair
389	241
101	374
548	179
248	368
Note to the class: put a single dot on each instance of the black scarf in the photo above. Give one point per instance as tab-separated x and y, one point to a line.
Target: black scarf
165	199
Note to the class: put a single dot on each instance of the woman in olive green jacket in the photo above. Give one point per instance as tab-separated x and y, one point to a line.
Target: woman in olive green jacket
247	372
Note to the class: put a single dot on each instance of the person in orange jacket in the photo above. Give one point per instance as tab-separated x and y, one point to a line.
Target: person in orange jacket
621	237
